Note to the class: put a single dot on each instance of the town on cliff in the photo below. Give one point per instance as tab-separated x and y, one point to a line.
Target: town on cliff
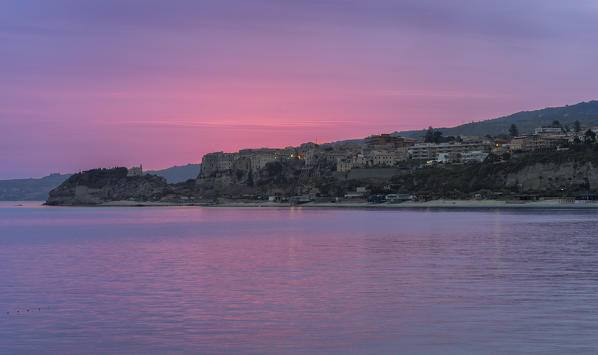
554	161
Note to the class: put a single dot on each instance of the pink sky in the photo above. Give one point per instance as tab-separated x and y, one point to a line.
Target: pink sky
107	83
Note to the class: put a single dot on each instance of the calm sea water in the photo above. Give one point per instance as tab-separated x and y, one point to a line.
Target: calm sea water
227	280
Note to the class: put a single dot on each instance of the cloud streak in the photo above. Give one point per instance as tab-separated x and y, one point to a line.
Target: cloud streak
239	124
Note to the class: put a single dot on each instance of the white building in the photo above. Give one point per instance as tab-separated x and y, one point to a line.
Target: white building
430	151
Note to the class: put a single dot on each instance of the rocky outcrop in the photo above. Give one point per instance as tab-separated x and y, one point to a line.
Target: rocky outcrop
549	173
282	177
103	185
539	177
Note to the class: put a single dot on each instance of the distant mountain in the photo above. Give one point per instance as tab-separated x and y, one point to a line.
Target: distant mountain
585	112
177	174
30	189
526	121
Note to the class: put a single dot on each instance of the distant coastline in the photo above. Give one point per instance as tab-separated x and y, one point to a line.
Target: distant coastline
553	161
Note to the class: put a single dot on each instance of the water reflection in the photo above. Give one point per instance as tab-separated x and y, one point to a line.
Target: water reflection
225	280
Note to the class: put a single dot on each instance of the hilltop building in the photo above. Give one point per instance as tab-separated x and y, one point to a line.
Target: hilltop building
135	171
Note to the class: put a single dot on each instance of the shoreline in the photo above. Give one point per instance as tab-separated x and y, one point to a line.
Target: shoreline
456	204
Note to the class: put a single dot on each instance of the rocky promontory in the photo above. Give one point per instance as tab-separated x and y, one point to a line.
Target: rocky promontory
98	186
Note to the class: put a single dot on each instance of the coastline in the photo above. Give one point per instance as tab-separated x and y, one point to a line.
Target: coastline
457	204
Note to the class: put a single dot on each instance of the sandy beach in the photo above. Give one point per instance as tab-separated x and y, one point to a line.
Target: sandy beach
548	203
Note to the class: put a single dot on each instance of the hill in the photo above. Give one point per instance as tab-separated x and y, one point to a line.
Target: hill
178	174
98	185
585	112
30	189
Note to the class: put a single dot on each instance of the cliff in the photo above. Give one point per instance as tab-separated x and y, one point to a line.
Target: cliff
279	177
103	185
552	173
546	173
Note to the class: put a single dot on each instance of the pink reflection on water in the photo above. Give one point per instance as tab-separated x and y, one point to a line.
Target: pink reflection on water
279	280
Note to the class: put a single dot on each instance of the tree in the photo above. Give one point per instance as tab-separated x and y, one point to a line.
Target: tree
577	126
590	136
429	137
556	124
513	130
437	137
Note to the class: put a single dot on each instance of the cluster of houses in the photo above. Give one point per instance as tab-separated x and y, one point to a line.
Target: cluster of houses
246	159
548	138
387	150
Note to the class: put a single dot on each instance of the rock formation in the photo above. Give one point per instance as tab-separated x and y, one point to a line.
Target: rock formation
103	185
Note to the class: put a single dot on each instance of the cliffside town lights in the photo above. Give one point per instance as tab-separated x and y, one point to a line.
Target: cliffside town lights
386	150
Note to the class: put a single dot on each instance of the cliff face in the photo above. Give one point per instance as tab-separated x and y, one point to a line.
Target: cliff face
102	185
568	176
275	177
552	173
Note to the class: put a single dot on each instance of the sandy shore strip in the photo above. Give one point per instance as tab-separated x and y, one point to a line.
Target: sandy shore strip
549	203
426	204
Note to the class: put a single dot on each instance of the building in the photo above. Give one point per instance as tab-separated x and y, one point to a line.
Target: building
219	161
388	141
135	171
550	131
521	143
530	143
449	158
473	157
384	158
430	151
344	165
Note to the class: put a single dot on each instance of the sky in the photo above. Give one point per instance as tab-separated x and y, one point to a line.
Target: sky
103	83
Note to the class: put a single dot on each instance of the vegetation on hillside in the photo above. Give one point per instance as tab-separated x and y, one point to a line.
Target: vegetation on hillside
488	178
29	189
585	113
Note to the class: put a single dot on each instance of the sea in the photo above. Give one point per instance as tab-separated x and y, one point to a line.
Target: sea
217	280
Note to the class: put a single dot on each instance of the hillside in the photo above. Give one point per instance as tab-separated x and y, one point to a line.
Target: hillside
178	174
99	185
30	189
551	173
585	112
